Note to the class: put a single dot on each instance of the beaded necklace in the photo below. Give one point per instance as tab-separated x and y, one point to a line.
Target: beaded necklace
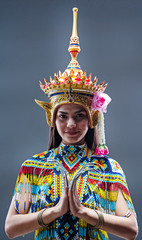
72	157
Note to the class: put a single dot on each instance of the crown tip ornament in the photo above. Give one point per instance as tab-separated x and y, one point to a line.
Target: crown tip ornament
73	86
74	47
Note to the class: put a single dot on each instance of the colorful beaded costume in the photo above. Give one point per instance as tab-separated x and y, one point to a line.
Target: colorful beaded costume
96	188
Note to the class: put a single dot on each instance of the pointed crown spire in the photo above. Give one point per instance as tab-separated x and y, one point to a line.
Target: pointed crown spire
74	47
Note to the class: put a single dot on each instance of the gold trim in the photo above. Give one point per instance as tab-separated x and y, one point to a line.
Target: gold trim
48	109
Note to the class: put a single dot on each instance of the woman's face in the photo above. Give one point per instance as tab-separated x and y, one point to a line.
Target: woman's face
72	123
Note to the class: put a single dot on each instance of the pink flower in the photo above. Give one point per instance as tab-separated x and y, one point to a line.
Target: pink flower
102	150
106	151
99	150
100	101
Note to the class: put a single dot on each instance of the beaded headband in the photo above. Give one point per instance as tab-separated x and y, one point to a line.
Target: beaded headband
73	86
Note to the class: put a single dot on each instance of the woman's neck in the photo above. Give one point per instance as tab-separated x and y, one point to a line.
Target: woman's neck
81	142
73	144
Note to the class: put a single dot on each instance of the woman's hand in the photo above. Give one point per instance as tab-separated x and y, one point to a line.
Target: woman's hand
62	206
74	203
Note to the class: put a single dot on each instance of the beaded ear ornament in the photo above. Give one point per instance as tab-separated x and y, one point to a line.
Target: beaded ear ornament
74	86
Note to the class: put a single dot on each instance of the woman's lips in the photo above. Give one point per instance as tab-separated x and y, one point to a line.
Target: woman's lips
72	133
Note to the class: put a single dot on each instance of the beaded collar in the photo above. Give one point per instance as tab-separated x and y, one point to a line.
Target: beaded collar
71	156
73	149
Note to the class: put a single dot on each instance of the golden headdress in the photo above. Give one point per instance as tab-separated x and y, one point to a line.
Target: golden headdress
73	86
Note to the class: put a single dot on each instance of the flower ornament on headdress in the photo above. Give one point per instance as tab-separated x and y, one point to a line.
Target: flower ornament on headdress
100	102
74	86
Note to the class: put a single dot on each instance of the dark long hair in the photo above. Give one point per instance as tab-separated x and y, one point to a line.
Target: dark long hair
91	138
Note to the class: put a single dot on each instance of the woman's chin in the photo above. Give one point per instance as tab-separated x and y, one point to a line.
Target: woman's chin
73	141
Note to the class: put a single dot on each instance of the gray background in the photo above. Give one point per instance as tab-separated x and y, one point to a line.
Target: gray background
34	38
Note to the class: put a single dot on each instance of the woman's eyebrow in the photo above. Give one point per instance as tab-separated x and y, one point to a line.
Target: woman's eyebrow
62	112
82	110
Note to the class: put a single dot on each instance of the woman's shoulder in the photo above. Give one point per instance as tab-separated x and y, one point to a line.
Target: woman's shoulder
37	158
107	163
34	165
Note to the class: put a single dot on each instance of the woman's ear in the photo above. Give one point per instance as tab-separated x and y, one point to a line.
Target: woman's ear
95	117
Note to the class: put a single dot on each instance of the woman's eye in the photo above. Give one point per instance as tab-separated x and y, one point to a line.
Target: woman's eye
62	116
80	116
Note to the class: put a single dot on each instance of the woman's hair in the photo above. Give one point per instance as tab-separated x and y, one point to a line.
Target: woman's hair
91	138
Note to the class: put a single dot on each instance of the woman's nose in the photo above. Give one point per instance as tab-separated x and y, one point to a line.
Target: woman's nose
71	123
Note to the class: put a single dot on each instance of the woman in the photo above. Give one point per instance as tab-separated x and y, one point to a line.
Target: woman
94	199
